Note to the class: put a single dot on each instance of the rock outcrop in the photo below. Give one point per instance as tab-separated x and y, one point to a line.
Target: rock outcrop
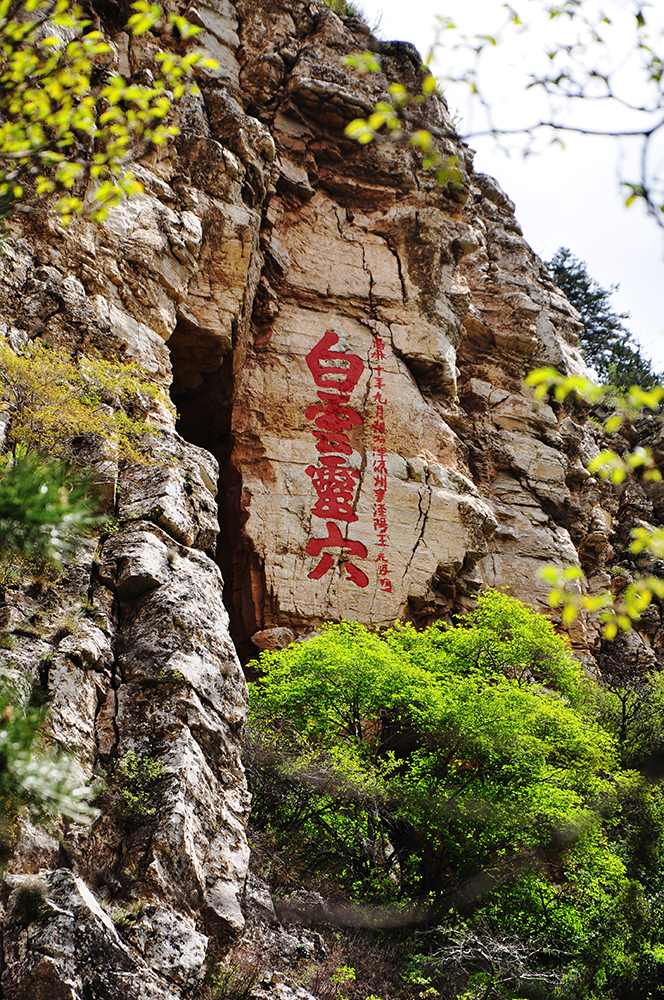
345	342
145	671
426	471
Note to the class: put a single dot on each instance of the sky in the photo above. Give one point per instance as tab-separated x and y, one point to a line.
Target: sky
564	197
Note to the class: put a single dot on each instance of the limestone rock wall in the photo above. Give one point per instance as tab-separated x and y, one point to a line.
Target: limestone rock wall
132	650
345	343
452	475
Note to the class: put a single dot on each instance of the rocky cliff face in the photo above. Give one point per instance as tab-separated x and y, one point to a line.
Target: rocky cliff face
425	471
345	343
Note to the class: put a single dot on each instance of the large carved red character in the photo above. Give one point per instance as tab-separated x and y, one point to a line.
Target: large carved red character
328	377
335	483
336	540
333	417
333	441
334	421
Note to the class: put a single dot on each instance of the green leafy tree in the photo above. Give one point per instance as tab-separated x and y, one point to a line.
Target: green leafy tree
66	119
581	58
619	409
578	56
462	774
437	756
606	343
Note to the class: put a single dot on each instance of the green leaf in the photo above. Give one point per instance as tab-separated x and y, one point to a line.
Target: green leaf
428	85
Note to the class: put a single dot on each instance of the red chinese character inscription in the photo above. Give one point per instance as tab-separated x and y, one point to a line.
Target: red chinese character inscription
323	365
336	540
337	373
335	482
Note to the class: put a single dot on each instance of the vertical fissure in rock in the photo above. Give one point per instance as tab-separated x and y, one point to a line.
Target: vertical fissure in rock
202	392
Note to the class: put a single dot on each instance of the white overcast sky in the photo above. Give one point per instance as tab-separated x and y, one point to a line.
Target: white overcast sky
564	197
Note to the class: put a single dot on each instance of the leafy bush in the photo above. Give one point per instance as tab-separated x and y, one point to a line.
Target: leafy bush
138	776
344	8
124	919
461	774
53	399
632	709
29	902
233	982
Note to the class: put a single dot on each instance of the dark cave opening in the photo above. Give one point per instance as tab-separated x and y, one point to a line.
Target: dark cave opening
202	392
202	388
